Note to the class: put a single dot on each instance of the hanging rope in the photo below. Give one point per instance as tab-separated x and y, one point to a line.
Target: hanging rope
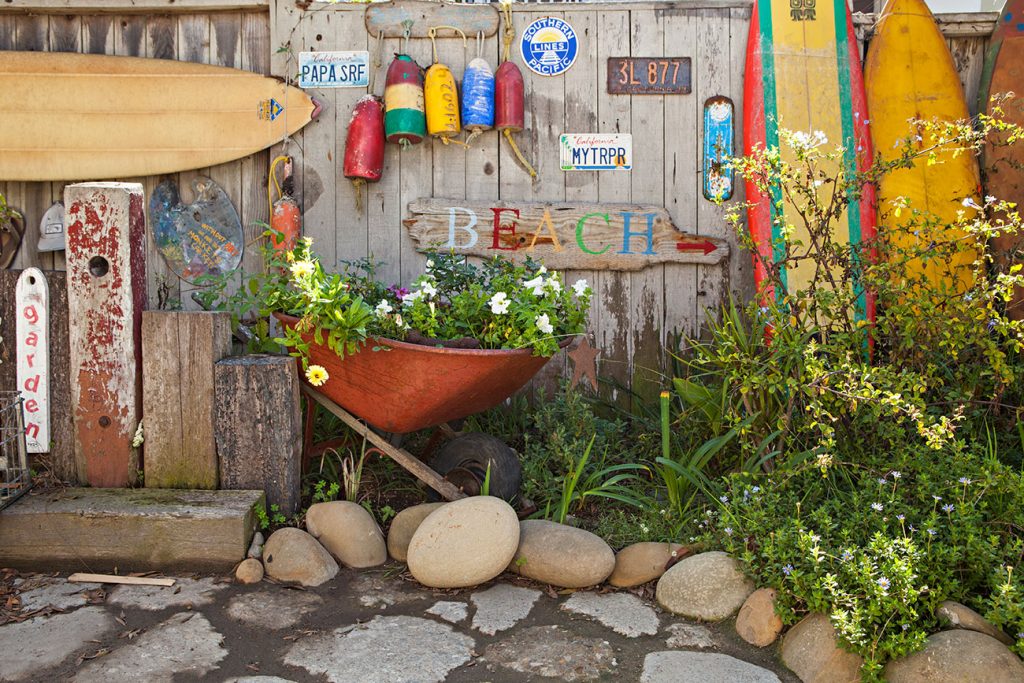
377	61
508	37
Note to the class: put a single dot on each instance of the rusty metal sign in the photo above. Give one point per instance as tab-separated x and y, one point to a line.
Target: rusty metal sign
649	76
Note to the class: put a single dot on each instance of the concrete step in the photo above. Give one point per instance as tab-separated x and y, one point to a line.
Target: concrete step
99	530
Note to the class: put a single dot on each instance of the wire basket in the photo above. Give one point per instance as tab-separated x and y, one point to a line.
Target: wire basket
15	475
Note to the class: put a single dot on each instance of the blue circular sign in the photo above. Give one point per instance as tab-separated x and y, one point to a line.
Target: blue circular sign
549	46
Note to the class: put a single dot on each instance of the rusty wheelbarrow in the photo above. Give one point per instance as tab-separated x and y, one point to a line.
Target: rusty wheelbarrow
395	387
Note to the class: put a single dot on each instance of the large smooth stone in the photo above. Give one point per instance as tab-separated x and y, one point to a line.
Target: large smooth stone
293	556
349	532
404	525
962	616
639	563
708	586
958	656
811	651
464	543
561	555
757	623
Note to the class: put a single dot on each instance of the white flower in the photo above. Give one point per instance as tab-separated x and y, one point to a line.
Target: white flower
383	308
537	284
428	289
412	297
401	323
499	303
820	138
970	203
580	287
542	270
544	324
989	199
430	266
554	285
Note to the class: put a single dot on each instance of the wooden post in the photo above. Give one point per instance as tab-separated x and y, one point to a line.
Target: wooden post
179	352
259	427
106	262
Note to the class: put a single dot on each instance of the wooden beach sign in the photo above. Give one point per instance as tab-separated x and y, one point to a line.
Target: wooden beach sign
563	235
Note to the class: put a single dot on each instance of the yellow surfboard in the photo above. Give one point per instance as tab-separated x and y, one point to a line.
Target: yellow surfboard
909	73
72	117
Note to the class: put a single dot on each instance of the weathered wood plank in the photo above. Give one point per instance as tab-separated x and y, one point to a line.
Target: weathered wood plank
259	427
128	530
255	209
180	351
647	287
106	297
32	310
741	268
118	6
33	35
384	198
391	18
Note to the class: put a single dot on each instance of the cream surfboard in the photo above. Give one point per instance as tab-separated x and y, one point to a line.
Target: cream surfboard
68	116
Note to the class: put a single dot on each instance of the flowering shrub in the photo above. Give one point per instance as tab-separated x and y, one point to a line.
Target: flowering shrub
877	545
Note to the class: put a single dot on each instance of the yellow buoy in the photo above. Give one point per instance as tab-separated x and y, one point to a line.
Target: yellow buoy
442	102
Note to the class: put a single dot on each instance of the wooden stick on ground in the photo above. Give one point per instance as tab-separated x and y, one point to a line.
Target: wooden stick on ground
111	578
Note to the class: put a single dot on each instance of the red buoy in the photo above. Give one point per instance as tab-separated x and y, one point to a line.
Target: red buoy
508	98
364	144
285	217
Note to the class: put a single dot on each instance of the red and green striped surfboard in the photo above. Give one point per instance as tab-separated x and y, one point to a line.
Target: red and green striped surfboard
803	74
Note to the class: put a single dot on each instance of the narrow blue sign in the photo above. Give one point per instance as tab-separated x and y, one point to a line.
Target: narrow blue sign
718	147
549	46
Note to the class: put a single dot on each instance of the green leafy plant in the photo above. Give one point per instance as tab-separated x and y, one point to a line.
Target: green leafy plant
581	484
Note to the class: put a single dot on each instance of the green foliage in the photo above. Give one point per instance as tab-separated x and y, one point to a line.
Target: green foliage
877	545
324	492
581	483
265	520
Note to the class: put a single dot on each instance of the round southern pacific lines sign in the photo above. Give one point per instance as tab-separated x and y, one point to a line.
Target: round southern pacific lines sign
549	46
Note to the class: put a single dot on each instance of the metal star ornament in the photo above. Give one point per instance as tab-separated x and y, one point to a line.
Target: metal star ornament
584	359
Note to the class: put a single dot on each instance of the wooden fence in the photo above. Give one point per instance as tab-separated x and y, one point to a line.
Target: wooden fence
634	313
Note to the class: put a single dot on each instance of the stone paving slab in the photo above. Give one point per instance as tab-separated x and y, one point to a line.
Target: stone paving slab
701	667
624	613
555	652
184	593
273	611
501	606
58	593
44	642
386	650
184	644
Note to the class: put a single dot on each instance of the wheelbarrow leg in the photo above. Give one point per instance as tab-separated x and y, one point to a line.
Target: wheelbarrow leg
403	457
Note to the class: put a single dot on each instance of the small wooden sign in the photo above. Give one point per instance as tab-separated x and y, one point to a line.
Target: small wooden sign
563	235
32	330
718	148
649	76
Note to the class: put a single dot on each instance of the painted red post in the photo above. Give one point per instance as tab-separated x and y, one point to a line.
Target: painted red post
106	264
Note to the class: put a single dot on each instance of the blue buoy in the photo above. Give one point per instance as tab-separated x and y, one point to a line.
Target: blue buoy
478	97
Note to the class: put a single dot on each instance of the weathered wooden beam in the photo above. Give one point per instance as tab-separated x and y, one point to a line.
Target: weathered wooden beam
179	353
563	235
258	427
106	261
407	460
391	18
128	530
962	25
129	6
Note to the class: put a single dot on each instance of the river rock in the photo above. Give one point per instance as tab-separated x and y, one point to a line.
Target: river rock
349	532
962	616
708	586
561	555
464	543
291	555
404	525
957	656
249	570
757	623
641	562
811	651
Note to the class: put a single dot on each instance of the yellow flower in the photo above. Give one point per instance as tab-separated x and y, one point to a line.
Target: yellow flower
317	375
301	269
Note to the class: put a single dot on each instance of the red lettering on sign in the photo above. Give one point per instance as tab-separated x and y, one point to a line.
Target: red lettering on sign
32	384
30	358
32	339
31	314
499	228
32	405
32	430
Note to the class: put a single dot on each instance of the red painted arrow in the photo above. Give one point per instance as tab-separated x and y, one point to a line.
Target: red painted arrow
705	246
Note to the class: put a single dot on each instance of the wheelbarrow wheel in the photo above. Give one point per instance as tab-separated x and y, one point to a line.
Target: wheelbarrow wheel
464	461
